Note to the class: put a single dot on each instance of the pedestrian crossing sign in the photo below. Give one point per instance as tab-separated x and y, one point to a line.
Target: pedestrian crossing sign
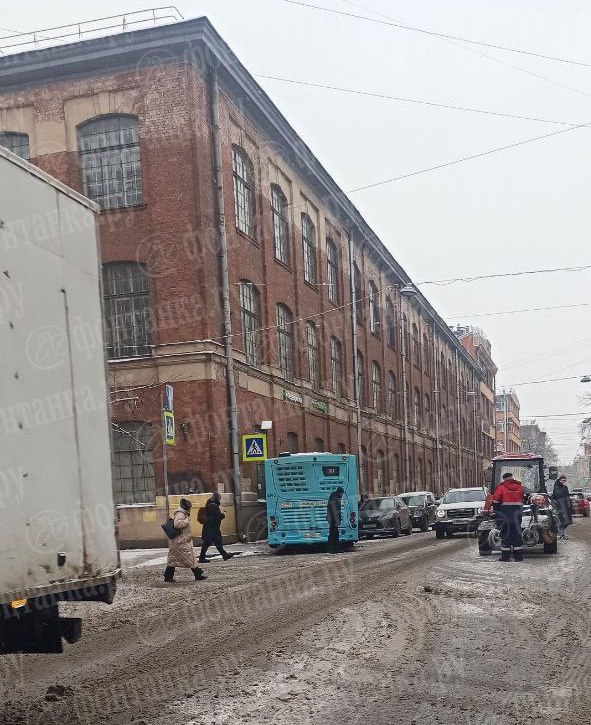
169	427
254	447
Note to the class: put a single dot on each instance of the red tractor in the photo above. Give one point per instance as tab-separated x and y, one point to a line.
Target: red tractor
540	520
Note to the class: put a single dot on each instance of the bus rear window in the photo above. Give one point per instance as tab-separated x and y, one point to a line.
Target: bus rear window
331	471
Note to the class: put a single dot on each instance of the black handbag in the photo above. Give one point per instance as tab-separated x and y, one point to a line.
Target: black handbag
170	529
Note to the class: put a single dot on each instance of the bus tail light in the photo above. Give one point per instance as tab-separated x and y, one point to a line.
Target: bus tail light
272	523
353	519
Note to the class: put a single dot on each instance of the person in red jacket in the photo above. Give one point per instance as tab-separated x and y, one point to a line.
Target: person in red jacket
508	497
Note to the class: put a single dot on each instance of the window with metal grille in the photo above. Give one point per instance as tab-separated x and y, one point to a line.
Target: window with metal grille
390	324
358	293
416	346
243	174
361	377
127	309
313	354
18	143
336	366
374	309
250	316
392	393
332	271
133	463
285	341
280	224
109	150
376	386
309	247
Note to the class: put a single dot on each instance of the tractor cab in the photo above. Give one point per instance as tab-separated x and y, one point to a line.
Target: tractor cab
540	523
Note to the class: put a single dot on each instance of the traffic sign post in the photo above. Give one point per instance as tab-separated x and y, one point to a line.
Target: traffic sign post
168	427
167	424
254	447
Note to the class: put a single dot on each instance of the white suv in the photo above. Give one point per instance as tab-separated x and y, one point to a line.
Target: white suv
460	510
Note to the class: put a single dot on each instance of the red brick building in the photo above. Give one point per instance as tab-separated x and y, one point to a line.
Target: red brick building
140	122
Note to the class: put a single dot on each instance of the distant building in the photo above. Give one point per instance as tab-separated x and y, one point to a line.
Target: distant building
477	345
533	440
507	422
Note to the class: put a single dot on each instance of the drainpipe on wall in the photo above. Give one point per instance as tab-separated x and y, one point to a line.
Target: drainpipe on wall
459	428
225	284
356	364
436	406
407	472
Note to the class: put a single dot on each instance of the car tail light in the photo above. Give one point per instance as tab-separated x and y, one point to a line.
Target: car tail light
352	518
272	523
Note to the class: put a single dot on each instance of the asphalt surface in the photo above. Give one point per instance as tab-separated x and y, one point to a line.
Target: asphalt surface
408	630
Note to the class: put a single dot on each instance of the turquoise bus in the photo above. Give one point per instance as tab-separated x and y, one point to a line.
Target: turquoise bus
297	489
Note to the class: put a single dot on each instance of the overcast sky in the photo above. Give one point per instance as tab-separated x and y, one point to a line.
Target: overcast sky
525	208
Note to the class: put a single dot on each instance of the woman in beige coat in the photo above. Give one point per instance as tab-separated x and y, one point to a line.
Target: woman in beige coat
181	552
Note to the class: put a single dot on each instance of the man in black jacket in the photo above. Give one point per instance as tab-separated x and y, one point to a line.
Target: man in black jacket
333	516
211	529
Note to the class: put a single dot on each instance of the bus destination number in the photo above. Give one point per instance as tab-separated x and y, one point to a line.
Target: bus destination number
331	471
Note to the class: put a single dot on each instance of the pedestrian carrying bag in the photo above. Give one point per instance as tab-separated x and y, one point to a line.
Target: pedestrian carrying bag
202	516
170	529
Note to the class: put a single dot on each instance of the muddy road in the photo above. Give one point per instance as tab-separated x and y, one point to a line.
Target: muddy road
409	630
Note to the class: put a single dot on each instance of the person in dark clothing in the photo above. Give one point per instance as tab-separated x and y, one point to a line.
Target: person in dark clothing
212	534
333	516
561	496
508	498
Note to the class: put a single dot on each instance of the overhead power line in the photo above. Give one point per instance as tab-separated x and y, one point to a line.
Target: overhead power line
437	34
539	382
471	157
416	101
515	312
454	280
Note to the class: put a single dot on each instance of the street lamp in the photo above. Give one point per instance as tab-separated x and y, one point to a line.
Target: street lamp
586	379
408	291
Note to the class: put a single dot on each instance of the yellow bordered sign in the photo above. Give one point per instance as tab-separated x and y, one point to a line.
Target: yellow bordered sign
254	447
169	427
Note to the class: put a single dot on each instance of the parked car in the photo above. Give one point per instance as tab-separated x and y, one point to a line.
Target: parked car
460	510
384	515
422	508
579	504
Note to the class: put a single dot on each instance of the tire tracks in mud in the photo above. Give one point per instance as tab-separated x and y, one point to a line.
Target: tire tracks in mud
217	636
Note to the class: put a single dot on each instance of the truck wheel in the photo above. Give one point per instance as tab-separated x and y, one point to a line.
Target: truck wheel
440	534
551	548
424	524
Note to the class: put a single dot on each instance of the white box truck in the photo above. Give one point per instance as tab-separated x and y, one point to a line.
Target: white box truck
57	519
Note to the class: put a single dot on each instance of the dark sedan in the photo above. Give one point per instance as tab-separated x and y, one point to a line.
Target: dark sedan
384	515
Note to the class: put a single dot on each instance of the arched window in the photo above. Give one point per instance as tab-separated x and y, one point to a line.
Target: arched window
336	366
428	413
426	355
361	377
450	378
285	340
374	309
243	176
417	408
376	386
392	395
390	324
406	336
109	148
313	353
18	143
416	346
309	247
280	224
442	375
133	463
251	322
127	309
342	448
319	445
381	472
444	423
332	271
358	293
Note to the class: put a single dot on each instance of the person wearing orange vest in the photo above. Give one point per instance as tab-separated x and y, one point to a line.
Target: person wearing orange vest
508	497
